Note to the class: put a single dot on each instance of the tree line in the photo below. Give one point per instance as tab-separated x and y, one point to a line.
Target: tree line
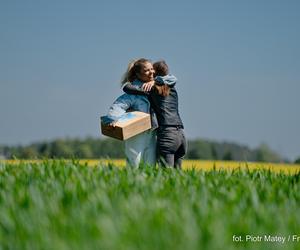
94	148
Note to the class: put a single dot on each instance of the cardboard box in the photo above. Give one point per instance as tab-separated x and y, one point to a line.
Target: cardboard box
129	125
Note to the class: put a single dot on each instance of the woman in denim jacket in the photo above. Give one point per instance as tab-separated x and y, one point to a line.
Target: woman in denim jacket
142	147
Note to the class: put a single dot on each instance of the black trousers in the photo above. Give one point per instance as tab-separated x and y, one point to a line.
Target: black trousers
171	146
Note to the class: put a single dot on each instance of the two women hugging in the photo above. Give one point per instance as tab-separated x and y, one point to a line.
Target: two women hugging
151	89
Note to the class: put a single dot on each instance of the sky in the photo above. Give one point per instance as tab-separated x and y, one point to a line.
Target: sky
237	64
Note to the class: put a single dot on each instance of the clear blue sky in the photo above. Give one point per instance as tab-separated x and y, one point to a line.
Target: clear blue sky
237	62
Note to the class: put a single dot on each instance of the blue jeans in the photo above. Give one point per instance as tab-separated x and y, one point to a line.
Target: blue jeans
141	149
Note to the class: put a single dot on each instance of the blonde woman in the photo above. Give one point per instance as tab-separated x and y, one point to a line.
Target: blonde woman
142	147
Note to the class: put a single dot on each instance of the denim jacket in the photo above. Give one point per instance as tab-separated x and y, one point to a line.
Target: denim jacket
127	102
135	102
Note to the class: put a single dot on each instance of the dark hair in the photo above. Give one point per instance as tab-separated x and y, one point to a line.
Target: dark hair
161	68
163	90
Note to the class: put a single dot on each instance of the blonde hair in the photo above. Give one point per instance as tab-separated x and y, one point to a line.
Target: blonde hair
133	68
124	78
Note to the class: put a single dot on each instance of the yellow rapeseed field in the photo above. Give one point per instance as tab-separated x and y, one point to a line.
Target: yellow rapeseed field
194	164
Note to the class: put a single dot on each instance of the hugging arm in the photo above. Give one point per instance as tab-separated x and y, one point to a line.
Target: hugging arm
131	89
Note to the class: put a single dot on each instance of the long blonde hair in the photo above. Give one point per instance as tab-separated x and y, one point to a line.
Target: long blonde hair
133	68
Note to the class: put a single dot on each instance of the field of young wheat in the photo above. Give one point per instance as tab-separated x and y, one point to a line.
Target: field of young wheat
205	165
57	204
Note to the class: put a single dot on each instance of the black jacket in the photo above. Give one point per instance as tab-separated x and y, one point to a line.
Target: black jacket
165	107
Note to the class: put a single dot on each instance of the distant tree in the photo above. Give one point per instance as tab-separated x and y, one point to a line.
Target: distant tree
28	152
61	149
43	149
4	152
227	156
265	154
193	151
15	152
112	148
214	153
84	151
297	161
199	149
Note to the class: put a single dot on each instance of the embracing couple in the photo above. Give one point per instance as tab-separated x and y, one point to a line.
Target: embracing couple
151	89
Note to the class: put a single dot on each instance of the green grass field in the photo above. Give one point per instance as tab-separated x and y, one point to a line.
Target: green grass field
68	205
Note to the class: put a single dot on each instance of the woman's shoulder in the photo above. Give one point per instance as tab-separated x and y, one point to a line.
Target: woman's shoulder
167	79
